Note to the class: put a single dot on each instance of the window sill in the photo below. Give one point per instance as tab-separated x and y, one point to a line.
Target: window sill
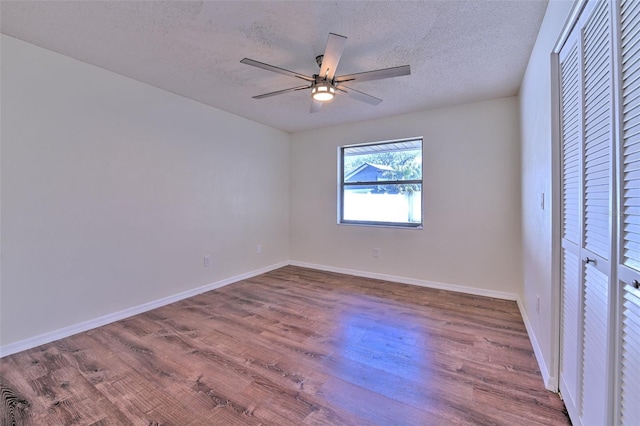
376	225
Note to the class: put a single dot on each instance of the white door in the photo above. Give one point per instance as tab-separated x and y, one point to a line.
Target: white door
598	221
586	71
571	279
628	368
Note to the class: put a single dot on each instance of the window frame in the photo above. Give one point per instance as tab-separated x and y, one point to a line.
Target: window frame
341	187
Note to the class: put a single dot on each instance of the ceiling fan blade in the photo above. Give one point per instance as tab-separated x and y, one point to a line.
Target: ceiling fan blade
332	53
275	69
280	92
360	96
375	75
315	105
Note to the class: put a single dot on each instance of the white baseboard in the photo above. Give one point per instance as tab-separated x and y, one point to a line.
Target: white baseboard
550	382
413	281
61	333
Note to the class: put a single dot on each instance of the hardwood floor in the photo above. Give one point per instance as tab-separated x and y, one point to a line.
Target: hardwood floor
291	347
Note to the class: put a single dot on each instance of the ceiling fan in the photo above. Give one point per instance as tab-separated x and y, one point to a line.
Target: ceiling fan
325	84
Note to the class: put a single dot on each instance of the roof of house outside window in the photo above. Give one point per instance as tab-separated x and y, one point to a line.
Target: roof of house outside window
367	172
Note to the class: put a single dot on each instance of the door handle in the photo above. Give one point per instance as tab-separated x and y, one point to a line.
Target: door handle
636	284
589	260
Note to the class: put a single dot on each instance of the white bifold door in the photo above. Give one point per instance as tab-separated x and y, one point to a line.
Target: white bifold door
599	69
588	188
628	271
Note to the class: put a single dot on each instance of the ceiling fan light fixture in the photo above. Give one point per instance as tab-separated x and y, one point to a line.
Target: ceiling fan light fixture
323	92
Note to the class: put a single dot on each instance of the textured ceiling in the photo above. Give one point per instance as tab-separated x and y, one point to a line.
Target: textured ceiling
459	51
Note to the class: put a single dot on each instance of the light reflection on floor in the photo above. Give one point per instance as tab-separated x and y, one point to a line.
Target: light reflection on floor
386	352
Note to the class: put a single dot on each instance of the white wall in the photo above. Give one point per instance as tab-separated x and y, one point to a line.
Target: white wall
113	191
471	234
535	116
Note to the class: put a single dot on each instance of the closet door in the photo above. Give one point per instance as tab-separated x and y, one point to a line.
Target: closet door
597	351
628	398
571	278
587	195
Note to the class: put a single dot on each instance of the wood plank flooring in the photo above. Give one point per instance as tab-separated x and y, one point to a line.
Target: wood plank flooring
291	347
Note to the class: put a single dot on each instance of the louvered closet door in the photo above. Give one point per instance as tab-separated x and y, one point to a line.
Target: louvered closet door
587	194
598	196
628	401
571	278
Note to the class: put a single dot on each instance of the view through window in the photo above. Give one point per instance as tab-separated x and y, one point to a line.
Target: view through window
381	183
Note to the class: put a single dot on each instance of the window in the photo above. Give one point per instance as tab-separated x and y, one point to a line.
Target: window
381	184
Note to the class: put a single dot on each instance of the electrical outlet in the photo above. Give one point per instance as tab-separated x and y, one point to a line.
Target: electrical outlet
537	303
259	249
376	252
207	261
